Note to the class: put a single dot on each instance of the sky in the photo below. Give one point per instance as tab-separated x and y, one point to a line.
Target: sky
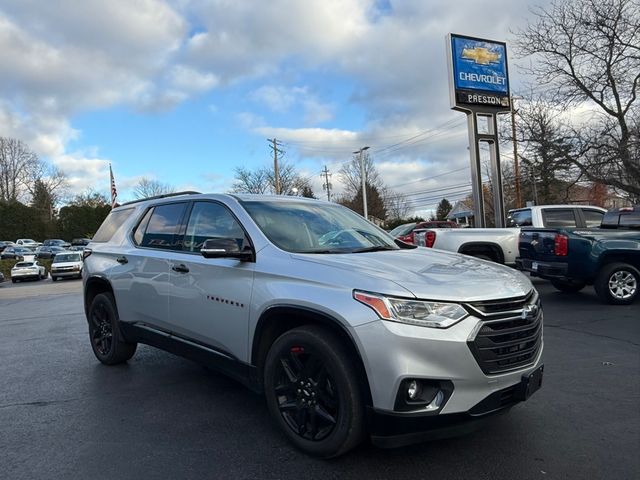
185	91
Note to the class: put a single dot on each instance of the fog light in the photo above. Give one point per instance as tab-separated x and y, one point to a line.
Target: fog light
413	390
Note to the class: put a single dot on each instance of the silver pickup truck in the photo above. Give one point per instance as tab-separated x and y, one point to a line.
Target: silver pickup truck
501	244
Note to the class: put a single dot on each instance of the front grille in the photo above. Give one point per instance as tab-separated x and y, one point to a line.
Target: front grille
508	338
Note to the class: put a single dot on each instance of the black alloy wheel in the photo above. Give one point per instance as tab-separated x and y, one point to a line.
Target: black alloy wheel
101	330
314	392
306	395
106	340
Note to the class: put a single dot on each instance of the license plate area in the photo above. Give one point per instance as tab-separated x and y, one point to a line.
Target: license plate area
530	383
534	266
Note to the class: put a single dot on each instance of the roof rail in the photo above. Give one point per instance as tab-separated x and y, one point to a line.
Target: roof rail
165	195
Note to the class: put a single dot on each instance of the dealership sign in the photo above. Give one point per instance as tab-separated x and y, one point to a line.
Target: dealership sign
478	73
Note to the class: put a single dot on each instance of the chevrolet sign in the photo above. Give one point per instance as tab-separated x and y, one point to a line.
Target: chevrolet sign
479	73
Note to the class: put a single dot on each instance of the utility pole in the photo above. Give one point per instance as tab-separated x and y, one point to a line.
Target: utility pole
364	181
326	185
516	164
276	172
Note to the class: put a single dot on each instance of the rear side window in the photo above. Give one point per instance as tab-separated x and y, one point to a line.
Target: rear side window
111	224
592	218
520	218
559	218
630	220
162	228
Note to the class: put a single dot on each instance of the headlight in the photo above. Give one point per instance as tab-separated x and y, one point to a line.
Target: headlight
413	312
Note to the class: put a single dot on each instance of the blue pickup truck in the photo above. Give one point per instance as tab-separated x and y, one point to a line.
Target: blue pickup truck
571	258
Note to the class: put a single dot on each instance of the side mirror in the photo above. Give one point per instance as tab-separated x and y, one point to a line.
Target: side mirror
226	248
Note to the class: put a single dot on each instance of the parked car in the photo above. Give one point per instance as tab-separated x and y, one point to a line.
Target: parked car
57	242
1	277
80	241
6	243
48	252
501	244
66	265
407	232
346	331
607	258
27	242
17	253
28	270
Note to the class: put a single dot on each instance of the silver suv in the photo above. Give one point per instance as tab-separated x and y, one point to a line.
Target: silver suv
347	331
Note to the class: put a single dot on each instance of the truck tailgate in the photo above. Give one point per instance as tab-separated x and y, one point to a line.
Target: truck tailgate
538	244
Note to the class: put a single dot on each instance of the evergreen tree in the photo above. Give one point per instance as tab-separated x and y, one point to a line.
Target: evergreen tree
444	207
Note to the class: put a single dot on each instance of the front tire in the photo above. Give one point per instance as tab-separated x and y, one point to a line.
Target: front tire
313	392
568	286
104	333
618	283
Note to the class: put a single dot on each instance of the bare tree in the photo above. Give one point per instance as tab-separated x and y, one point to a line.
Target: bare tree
350	174
149	187
397	205
17	160
23	174
50	178
291	182
250	181
262	180
588	53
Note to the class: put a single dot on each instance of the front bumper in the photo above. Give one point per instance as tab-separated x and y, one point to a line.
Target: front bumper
66	273
478	365
549	270
391	430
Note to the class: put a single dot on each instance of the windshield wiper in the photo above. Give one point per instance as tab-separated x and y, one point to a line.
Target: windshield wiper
377	248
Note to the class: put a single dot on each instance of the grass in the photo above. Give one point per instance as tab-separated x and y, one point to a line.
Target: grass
7	265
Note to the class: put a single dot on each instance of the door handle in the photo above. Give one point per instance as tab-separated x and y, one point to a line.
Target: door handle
122	260
182	268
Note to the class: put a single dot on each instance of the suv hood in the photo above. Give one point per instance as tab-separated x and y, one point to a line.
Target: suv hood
432	274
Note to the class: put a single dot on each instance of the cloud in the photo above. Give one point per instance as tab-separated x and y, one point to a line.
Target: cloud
190	80
59	59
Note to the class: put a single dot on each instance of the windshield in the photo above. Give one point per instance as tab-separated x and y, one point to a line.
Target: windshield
402	229
67	257
307	227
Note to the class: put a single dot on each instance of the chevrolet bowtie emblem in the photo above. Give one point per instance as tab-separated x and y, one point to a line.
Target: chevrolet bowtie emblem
480	55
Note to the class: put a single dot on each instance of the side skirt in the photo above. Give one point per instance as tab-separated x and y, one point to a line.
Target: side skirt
220	361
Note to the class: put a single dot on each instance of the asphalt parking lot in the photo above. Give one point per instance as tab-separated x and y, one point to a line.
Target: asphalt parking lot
64	415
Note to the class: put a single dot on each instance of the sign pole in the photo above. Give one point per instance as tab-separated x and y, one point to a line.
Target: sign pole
476	172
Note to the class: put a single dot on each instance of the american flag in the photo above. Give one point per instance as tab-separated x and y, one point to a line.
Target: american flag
114	192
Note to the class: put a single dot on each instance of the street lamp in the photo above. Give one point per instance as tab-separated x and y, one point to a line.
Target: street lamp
364	181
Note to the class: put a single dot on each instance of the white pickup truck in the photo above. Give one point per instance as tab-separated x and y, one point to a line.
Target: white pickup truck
501	244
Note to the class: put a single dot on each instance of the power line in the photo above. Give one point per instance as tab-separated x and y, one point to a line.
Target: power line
428	178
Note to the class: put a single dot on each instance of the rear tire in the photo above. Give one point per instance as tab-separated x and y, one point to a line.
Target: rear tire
107	342
313	392
618	283
568	286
